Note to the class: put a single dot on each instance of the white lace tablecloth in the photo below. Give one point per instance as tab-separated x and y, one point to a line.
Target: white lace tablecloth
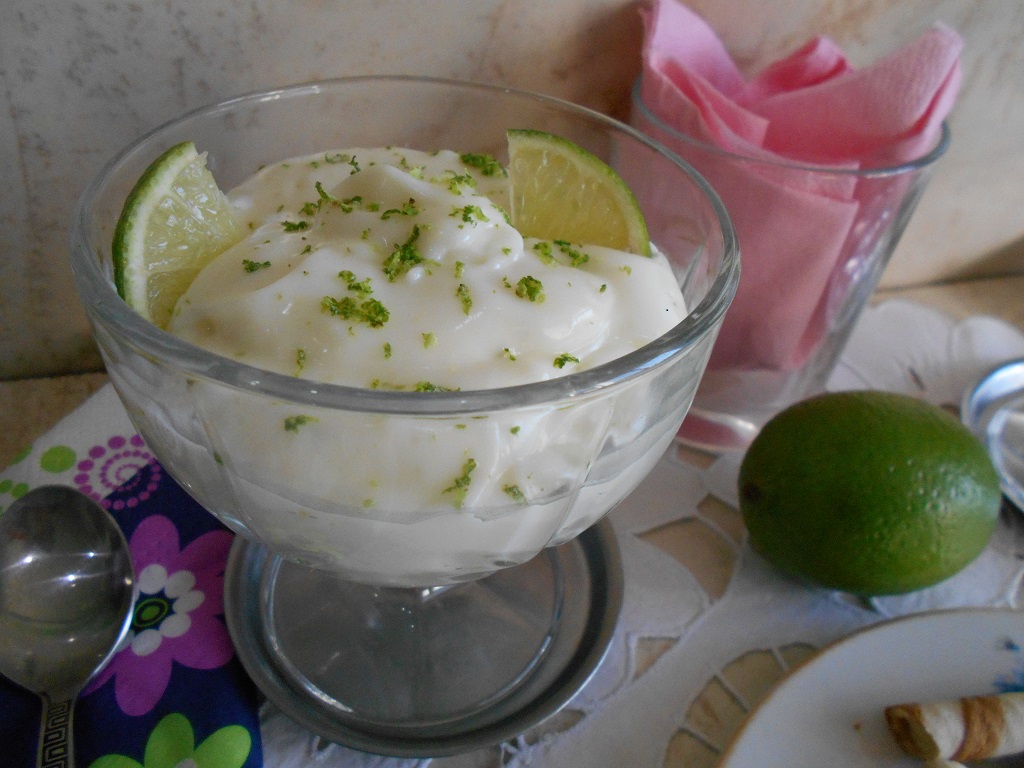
707	627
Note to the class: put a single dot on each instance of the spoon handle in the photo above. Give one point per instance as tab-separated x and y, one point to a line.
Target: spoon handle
56	746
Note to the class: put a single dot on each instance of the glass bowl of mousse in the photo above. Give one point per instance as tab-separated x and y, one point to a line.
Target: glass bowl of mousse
386	390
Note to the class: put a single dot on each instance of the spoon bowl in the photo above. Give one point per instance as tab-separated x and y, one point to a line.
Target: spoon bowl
66	599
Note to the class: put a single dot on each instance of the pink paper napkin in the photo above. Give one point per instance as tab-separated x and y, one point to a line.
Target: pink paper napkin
812	107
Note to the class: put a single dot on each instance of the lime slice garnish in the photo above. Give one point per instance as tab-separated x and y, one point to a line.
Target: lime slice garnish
560	191
174	222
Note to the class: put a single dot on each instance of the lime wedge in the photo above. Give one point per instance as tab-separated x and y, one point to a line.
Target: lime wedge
174	222
560	191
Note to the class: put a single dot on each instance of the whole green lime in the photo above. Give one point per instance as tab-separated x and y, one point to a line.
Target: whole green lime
868	492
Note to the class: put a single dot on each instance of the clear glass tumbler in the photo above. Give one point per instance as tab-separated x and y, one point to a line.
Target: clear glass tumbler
815	241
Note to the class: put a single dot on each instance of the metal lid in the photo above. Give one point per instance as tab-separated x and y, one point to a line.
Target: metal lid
994	411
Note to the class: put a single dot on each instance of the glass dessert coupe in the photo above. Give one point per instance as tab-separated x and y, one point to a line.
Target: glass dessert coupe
412	626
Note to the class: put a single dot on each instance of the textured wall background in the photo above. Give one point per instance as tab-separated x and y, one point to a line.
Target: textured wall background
81	79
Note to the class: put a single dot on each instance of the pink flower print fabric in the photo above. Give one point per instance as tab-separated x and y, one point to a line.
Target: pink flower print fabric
176	617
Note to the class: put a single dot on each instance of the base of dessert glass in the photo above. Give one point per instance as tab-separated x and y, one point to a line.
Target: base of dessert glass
425	672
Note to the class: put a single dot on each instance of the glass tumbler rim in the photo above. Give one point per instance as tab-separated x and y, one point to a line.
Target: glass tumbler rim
925	160
97	292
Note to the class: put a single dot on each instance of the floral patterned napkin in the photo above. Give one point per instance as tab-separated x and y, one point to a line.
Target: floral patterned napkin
175	694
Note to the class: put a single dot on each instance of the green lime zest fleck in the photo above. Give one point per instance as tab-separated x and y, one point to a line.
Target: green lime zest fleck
429	340
387	350
347	205
356	286
456	181
545	253
334	158
404	257
427	386
484	163
517	495
564	359
576	258
254	266
463	294
325	196
470	214
341	157
460	487
292	423
300	360
409	209
530	288
295	226
370	311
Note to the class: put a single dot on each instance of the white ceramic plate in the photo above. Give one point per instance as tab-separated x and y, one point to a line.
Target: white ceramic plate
829	711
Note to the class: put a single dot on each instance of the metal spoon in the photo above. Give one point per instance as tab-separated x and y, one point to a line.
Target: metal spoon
66	600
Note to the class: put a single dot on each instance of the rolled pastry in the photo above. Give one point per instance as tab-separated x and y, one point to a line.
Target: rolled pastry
971	728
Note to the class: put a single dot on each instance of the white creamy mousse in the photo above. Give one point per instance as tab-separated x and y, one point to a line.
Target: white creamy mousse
427	280
394	269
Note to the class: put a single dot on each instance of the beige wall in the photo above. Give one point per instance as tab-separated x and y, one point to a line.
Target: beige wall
82	79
